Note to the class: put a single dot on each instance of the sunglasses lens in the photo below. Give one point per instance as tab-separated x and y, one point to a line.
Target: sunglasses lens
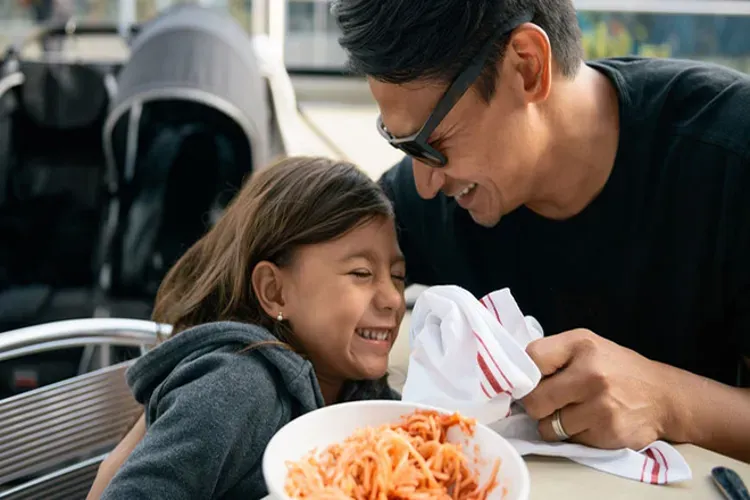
421	154
411	148
427	157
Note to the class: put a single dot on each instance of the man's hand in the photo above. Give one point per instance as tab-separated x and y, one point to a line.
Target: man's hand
609	396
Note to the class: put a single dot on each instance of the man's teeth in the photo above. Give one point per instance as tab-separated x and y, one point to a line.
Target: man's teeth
466	190
373	334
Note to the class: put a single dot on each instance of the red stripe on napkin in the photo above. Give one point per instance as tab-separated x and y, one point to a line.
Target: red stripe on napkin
485	391
494	308
488	374
510	386
656	468
664	463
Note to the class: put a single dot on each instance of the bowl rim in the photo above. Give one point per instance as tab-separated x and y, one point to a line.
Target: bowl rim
525	479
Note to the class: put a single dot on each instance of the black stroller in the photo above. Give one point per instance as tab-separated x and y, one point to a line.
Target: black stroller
189	121
110	170
52	109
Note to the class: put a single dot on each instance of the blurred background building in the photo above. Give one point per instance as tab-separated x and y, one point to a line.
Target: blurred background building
715	30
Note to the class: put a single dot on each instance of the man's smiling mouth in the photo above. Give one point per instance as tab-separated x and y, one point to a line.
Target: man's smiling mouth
468	189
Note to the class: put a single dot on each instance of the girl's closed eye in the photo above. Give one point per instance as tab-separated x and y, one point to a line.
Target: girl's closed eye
361	273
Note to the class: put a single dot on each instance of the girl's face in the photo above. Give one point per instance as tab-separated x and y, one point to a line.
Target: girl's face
344	300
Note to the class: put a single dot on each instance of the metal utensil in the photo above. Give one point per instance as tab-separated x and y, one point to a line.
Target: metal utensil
730	483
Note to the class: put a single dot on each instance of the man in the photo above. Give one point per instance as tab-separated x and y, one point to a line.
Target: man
609	196
613	198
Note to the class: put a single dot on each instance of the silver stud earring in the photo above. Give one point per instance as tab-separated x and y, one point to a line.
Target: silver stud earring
280	316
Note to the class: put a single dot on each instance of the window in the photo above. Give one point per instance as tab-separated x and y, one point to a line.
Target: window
300	18
312	37
712	31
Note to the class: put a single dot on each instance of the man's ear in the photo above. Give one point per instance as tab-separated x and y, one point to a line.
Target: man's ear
267	281
529	55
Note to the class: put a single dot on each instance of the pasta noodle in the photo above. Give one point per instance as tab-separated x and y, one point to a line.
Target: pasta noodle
411	460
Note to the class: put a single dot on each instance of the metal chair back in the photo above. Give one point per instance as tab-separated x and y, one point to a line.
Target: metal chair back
50	435
70	483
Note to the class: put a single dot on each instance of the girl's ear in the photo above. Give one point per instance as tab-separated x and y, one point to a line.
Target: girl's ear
267	283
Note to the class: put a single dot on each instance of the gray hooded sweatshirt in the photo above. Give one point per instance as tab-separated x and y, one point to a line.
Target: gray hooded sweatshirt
211	411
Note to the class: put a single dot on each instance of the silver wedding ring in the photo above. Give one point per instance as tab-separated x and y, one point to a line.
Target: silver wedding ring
557	427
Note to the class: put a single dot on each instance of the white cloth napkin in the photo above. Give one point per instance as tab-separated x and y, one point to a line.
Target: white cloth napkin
469	355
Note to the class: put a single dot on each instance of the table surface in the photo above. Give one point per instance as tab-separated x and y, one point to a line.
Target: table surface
563	479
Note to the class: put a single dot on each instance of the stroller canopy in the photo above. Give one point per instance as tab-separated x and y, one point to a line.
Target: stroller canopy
202	55
189	121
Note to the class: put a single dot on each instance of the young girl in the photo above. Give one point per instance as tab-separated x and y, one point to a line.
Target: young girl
292	301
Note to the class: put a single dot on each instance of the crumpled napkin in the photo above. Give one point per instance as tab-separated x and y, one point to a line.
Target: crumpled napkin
469	355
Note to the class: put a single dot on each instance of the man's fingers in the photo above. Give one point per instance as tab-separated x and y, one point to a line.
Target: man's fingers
554	352
574	419
556	391
565	384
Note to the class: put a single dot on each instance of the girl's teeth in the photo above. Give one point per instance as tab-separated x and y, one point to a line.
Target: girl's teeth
373	335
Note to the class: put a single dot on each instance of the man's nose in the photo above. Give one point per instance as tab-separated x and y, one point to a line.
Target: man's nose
429	180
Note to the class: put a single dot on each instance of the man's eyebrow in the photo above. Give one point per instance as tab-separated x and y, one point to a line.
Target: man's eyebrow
435	138
437	135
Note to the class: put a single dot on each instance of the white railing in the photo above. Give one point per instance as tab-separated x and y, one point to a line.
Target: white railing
87	332
715	7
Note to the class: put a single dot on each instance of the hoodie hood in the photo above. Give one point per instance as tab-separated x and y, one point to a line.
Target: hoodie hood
152	369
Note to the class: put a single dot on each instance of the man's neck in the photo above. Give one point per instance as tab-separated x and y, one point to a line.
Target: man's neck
584	124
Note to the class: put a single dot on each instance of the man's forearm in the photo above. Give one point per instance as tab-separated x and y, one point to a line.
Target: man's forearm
708	414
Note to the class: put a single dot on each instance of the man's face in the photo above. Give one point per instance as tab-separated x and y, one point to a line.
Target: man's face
492	149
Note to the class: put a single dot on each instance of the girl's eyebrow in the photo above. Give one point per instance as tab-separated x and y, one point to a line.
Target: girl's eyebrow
371	256
359	253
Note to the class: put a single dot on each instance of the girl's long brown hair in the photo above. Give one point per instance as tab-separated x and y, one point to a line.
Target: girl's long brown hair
298	201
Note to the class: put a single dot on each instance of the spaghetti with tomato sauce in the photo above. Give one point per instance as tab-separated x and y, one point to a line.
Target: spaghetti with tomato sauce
410	460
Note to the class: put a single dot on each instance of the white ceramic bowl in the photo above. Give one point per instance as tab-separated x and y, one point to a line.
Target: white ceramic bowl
333	424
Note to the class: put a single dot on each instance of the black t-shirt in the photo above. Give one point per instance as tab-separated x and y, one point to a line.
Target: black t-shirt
659	262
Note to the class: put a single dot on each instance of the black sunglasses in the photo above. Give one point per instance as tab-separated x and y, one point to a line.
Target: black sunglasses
416	145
